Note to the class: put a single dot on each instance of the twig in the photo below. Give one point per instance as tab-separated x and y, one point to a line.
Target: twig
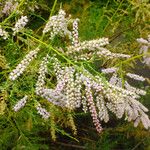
138	144
70	145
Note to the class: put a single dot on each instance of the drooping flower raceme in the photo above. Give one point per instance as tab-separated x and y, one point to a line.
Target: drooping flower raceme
109	70
42	71
92	108
135	77
75	34
115	80
23	64
42	111
133	89
20	104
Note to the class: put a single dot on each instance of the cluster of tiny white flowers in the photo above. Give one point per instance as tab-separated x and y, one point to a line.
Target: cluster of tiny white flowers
70	86
114	80
20	24
3	33
102	110
42	71
92	108
144	49
133	89
103	52
118	99
135	77
52	95
43	112
75	34
23	64
145	120
58	25
9	7
109	55
143	41
89	45
98	96
109	70
21	103
67	91
137	111
84	104
130	106
86	56
75	88
117	55
56	98
94	47
122	106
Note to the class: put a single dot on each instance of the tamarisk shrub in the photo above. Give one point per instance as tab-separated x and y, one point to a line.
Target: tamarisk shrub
75	85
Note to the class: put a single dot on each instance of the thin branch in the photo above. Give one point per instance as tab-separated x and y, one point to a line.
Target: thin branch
71	145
